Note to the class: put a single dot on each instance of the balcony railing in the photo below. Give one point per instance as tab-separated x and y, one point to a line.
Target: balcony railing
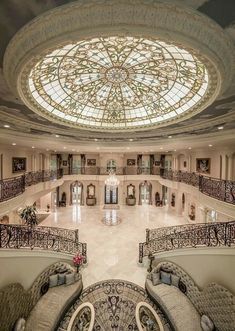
41	238
223	190
12	187
219	189
187	236
118	171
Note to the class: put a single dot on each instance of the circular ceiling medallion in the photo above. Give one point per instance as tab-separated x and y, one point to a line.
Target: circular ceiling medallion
115	66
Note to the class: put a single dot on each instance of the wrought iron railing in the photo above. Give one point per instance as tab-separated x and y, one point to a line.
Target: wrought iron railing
12	187
219	189
217	234
132	170
41	238
223	190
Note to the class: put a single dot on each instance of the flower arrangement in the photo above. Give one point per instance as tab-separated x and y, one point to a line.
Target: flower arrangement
78	260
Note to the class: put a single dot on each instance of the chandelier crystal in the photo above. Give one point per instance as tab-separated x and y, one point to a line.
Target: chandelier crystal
112	181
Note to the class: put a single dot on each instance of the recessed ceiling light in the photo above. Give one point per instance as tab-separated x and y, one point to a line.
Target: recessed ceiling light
220	127
131	139
161	147
33	147
128	148
97	148
96	139
6	126
169	137
57	136
190	148
167	151
13	144
65	147
210	145
73	150
174	150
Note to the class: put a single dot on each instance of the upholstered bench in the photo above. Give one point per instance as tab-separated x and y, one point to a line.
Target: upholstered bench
186	306
50	308
42	305
179	310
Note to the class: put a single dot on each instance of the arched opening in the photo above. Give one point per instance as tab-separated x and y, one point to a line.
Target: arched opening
76	193
145	193
183	202
192	212
164	195
110	195
173	200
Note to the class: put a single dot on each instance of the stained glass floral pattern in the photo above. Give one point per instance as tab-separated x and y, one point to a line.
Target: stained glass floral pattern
118	82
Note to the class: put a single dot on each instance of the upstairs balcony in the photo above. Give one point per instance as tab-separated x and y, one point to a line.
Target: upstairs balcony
223	190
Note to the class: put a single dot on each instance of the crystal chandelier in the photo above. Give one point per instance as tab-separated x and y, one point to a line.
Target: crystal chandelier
112	180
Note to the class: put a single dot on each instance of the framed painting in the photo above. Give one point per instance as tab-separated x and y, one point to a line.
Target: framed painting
157	163
203	165
185	164
130	162
91	162
18	164
65	163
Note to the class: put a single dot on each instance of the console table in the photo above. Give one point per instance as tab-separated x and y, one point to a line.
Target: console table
91	201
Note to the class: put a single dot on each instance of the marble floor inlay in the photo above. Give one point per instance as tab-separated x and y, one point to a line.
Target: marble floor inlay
112	250
114	302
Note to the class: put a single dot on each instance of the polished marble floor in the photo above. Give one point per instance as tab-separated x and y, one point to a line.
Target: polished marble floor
112	250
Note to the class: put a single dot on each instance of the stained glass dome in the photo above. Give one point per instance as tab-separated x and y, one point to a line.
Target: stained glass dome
118	83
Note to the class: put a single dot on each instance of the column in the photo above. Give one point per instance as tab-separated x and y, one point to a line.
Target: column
230	167
189	167
203	214
178	203
224	166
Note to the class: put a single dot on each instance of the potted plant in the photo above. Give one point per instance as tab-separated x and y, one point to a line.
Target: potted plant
78	261
29	215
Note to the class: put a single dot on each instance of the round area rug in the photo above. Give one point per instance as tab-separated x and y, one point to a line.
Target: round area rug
114	302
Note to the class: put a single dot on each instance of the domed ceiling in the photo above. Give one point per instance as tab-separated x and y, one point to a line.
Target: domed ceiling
118	83
115	78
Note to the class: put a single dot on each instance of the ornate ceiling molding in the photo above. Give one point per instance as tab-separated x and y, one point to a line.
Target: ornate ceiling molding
185	131
83	20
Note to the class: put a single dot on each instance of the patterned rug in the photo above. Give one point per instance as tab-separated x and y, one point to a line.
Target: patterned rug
114	302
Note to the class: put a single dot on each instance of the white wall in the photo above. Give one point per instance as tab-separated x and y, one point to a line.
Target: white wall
22	266
34	160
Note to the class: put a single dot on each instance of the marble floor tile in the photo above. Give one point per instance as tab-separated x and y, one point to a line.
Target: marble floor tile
112	250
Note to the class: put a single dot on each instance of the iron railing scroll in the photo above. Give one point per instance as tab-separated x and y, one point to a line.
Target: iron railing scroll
223	190
12	187
218	234
14	236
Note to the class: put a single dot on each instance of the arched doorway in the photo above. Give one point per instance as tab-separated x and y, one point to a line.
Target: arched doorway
110	195
145	193
76	193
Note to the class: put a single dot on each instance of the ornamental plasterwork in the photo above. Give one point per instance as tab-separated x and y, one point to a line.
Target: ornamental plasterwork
118	82
83	21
